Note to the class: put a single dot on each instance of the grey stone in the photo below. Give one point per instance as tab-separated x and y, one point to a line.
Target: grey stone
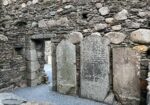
131	24
35	1
10	99
53	13
142	14
33	66
141	36
126	65
31	55
66	68
115	37
94	68
29	3
122	15
3	37
100	26
23	5
69	6
110	99
33	82
34	24
109	20
96	33
42	23
104	11
60	10
32	75
63	21
116	27
75	37
51	23
98	5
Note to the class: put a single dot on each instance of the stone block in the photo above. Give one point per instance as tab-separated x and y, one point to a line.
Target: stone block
126	83
95	67
66	68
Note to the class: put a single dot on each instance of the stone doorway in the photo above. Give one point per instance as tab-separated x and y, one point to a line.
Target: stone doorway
39	62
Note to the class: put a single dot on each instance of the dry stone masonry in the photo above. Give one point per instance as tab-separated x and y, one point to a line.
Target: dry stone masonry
100	48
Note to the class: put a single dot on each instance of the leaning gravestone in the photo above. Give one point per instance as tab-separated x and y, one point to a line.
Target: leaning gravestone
66	67
95	67
126	82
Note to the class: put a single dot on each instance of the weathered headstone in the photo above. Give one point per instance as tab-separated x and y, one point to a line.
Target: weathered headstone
95	67
126	82
66	67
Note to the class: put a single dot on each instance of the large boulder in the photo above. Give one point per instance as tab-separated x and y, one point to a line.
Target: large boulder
141	36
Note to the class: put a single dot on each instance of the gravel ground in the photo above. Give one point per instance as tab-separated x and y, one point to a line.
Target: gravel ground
43	93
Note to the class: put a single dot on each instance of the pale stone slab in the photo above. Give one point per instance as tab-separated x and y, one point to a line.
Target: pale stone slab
95	67
66	67
125	75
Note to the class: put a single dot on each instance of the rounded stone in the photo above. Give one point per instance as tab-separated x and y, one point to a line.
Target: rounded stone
35	1
23	5
109	20
75	37
104	11
140	48
29	3
141	36
122	15
116	27
115	37
3	38
98	5
100	26
96	33
34	24
5	2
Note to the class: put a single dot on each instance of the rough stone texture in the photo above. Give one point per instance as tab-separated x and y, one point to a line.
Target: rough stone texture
110	98
3	38
122	15
94	68
100	26
126	82
104	10
66	68
19	24
141	36
75	37
116	37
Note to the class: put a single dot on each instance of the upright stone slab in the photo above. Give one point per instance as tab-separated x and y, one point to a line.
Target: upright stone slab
94	67
126	82
66	67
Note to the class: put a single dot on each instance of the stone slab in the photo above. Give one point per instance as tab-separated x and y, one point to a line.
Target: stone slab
66	67
125	75
95	67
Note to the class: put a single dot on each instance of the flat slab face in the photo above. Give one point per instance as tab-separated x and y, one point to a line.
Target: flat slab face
66	67
94	68
125	74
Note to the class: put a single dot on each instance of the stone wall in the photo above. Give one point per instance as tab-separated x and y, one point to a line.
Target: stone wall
124	22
